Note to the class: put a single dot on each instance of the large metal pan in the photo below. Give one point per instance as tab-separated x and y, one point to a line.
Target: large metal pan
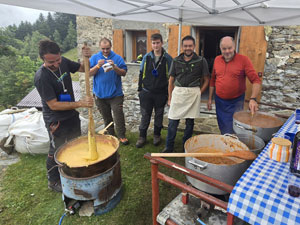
263	125
226	173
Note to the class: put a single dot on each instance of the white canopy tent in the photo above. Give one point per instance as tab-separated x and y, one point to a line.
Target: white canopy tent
196	12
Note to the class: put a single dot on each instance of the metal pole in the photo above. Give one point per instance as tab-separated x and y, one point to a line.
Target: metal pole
179	31
155	191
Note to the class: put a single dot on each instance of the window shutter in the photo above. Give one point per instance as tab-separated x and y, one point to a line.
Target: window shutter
173	38
118	42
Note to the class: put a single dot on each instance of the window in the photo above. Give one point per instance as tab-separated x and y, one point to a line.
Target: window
136	44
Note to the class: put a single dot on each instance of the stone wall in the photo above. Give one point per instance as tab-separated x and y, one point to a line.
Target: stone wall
281	82
280	85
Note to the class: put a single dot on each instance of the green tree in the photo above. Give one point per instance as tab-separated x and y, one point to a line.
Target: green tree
56	38
71	39
5	49
31	45
51	24
42	26
62	21
16	76
25	28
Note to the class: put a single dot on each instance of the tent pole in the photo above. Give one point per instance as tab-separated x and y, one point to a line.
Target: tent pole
179	38
179	31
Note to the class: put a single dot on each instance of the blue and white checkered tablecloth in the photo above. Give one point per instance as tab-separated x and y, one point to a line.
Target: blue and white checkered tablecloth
261	194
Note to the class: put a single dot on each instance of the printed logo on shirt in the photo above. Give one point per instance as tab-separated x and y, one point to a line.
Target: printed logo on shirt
62	77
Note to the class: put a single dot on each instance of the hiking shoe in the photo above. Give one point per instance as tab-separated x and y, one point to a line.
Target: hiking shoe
167	150
156	140
55	186
124	141
140	142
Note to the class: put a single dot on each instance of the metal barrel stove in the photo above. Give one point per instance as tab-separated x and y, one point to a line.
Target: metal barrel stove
100	182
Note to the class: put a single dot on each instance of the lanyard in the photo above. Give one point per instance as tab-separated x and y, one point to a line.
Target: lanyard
154	71
158	62
59	78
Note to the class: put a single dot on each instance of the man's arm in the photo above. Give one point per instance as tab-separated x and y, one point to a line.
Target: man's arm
55	105
211	92
86	52
170	88
253	106
205	84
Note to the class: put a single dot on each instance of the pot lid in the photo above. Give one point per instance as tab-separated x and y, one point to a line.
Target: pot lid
281	141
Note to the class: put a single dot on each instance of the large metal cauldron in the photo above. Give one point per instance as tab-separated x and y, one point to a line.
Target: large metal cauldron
226	173
263	125
99	182
93	169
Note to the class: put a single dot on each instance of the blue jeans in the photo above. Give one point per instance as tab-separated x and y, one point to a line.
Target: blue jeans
172	130
225	110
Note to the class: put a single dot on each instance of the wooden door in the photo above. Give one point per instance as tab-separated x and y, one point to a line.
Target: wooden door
118	42
253	45
173	38
149	33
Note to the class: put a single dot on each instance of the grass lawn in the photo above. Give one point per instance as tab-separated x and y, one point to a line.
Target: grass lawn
25	198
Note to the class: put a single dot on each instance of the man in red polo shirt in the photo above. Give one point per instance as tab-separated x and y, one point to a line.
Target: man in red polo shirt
229	79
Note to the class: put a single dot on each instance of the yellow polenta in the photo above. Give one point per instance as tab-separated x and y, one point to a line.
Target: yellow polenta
77	154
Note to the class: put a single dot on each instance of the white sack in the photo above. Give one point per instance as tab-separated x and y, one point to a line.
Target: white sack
9	116
30	134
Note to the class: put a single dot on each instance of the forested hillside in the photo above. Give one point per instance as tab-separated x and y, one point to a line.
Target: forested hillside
19	57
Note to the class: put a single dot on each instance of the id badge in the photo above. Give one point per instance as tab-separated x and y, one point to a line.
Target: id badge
64	98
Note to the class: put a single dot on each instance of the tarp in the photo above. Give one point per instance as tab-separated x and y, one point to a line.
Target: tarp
196	12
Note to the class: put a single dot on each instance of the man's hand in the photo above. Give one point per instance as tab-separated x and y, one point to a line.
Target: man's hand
209	102
253	106
86	51
87	102
101	62
169	101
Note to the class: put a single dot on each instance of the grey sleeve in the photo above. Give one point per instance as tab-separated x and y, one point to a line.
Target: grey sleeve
172	70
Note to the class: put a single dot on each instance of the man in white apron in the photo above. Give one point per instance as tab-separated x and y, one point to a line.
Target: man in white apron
189	77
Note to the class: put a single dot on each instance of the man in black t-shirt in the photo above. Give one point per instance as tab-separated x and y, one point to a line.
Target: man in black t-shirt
189	77
54	84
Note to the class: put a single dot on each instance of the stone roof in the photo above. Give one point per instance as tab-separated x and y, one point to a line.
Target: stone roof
33	98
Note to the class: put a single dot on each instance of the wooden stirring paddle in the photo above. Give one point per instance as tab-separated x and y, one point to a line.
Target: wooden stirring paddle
247	155
91	127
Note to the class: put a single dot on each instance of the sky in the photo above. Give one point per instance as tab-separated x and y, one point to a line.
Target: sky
14	15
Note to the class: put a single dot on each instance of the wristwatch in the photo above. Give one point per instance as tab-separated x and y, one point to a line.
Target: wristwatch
253	99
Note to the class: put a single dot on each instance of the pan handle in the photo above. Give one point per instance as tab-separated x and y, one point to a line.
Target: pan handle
201	167
254	130
231	135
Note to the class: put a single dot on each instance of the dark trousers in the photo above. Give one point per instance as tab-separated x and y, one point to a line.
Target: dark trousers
60	132
225	110
148	102
111	109
172	130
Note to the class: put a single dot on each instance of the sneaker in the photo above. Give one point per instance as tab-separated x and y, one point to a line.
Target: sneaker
124	141
156	140
140	142
166	150
55	186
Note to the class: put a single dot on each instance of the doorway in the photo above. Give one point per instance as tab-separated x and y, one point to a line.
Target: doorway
207	44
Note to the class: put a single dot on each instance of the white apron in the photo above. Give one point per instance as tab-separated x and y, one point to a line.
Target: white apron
185	103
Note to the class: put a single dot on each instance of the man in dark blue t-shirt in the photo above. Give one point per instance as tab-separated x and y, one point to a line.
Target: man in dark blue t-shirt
54	84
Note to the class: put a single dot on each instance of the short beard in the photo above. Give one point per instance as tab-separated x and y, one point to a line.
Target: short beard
188	55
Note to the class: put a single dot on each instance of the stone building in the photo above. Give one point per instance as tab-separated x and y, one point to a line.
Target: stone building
274	52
